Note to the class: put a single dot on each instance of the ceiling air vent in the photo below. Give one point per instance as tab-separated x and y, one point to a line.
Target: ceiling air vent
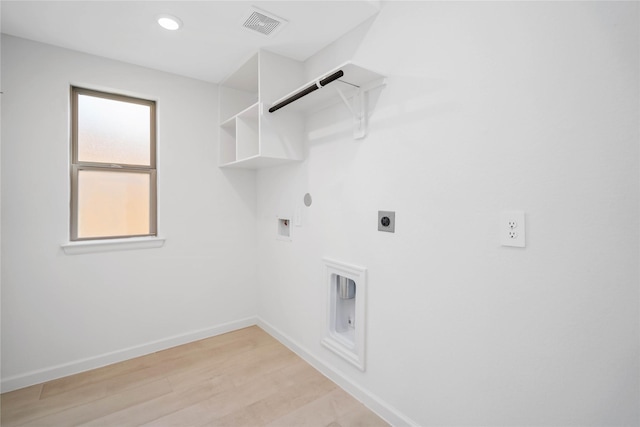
263	22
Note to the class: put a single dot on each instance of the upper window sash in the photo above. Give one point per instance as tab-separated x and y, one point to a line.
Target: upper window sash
75	111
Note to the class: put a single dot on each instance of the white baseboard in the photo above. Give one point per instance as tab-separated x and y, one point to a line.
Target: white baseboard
371	401
63	370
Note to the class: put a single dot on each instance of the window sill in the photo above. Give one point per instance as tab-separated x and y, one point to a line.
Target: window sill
110	245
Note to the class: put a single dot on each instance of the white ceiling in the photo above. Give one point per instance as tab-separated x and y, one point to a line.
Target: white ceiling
211	43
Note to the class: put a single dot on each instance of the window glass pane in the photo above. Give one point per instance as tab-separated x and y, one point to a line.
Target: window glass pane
113	203
111	131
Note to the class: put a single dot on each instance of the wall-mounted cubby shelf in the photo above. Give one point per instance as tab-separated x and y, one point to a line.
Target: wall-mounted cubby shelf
248	139
253	138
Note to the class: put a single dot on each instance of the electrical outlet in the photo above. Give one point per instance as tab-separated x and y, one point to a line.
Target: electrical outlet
387	221
512	229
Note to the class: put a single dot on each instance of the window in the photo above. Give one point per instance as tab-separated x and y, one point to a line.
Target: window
113	166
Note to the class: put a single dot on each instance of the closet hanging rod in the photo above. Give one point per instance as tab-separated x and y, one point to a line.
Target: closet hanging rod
306	91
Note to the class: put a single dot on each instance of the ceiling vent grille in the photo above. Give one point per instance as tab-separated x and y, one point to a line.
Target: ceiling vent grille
263	22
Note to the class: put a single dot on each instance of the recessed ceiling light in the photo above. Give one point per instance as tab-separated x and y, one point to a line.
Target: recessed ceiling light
169	22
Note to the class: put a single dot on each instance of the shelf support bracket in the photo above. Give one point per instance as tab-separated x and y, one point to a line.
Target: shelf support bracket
357	108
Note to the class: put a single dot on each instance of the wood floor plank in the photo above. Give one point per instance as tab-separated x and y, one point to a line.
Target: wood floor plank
17	415
95	409
237	367
240	396
216	406
153	409
243	378
84	394
21	397
319	412
72	382
361	417
283	400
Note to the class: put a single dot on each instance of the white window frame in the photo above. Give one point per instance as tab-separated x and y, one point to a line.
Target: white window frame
77	166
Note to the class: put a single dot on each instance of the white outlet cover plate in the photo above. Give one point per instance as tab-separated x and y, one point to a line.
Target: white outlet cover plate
512	229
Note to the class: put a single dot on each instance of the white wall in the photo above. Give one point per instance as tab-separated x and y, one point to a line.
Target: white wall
489	107
62	313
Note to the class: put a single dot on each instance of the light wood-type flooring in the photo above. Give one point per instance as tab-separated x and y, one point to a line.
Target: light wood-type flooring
243	378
